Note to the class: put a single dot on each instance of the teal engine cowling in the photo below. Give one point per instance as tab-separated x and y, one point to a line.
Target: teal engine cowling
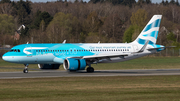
74	64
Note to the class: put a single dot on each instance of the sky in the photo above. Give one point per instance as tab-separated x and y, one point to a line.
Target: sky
154	1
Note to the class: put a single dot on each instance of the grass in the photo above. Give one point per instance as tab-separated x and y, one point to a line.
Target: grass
144	63
140	63
148	88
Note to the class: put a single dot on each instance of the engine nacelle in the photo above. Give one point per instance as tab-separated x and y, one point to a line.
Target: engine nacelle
48	66
74	64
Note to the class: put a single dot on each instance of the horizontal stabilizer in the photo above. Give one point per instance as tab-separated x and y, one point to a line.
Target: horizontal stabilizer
161	48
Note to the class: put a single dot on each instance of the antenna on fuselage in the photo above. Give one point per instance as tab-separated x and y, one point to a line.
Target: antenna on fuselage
64	41
99	42
27	43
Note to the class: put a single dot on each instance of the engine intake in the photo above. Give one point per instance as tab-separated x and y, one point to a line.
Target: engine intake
74	64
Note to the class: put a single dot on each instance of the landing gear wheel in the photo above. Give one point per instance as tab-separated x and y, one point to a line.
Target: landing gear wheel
25	70
90	69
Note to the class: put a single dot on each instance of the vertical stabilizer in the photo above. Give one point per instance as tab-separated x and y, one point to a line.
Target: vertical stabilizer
150	32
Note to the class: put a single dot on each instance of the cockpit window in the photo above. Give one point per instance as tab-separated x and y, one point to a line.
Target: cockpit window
14	50
11	50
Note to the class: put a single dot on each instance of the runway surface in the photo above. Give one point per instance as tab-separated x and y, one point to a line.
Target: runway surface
52	73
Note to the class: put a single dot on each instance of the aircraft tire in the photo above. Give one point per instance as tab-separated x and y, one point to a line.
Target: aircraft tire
25	70
90	69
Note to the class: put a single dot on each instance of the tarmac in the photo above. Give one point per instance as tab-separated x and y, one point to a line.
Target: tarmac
58	73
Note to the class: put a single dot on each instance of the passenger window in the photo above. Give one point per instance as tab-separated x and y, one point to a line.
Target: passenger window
18	50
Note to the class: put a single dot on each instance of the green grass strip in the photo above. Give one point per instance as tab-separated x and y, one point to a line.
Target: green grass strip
148	88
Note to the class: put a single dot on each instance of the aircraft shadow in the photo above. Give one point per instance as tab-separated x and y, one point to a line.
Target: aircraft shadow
110	72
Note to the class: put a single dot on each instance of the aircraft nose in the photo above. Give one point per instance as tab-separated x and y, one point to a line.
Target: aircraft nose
5	58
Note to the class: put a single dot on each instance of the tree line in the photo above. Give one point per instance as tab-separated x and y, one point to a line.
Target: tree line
107	21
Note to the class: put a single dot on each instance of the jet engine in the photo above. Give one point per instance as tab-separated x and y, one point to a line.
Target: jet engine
48	66
74	64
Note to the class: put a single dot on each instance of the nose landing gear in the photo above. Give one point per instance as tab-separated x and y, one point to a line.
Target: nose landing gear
26	68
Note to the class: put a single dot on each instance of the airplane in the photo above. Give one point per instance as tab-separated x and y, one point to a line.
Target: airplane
77	56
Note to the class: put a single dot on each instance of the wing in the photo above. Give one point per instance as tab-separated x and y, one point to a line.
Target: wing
104	56
99	57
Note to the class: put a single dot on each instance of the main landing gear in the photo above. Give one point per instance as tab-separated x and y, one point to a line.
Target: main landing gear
26	68
90	69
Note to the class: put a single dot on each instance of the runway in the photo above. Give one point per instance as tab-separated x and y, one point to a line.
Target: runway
52	73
